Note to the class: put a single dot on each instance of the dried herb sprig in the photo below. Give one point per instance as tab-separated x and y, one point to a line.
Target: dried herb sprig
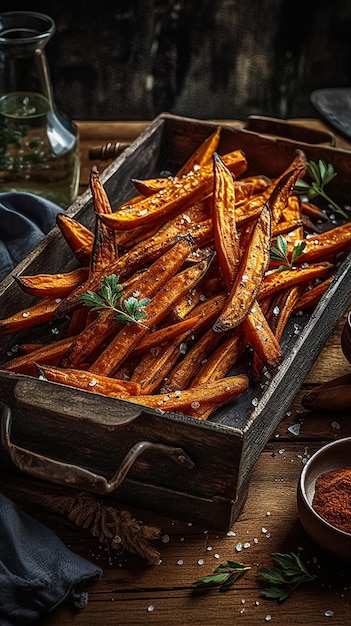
289	574
109	297
224	576
279	253
320	174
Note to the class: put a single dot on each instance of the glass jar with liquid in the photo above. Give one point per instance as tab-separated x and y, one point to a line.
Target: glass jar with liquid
38	142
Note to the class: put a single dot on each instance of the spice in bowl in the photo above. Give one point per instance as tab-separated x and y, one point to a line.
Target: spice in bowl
332	498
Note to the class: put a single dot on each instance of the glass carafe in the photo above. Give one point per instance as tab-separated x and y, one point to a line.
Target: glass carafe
38	143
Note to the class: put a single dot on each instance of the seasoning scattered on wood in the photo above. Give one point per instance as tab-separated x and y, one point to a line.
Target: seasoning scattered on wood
332	499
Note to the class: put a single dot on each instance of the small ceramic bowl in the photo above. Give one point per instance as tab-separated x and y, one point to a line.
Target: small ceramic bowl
331	456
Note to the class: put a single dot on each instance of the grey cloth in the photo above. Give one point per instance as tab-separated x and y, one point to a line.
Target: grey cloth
24	220
37	571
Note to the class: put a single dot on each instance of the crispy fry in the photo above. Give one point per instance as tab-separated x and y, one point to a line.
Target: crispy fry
275	281
249	277
198	401
52	285
312	296
224	223
174	197
285	185
313	211
262	339
79	238
202	155
284	304
49	354
116	388
39	313
327	244
104	249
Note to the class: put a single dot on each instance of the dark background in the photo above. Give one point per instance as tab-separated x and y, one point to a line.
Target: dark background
198	58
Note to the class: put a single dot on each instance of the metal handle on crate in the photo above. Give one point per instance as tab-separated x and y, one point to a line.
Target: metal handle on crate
74	475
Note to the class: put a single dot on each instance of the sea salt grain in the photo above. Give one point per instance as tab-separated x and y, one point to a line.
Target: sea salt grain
329	613
294	429
150	608
200	562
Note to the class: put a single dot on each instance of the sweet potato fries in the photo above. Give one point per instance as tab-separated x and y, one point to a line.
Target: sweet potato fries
174	285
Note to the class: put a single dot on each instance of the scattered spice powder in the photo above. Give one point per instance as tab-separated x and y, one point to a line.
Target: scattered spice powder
332	498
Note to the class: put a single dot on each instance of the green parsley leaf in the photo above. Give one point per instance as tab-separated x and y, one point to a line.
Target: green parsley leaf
109	297
279	253
320	174
224	576
288	574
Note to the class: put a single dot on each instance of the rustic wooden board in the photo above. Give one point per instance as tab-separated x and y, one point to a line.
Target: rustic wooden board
47	417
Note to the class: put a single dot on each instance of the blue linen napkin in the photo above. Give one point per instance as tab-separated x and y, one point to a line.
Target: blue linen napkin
24	220
37	571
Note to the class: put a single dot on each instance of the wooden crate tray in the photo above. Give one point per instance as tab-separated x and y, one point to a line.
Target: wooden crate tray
171	463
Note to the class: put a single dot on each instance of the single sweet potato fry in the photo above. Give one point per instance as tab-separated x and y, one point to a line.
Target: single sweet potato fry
275	281
262	339
104	249
81	379
249	276
327	244
197	401
49	354
79	238
312	295
39	313
285	185
202	155
52	285
224	223
174	197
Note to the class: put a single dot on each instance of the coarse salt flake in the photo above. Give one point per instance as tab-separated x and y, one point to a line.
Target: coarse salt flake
195	404
92	382
200	562
26	314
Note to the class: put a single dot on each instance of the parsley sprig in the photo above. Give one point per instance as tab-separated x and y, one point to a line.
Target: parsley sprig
320	174
279	253
289	574
110	297
224	576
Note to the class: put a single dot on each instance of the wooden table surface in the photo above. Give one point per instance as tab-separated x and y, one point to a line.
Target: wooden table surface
133	592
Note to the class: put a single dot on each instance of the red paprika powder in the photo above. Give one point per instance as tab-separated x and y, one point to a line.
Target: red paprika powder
332	498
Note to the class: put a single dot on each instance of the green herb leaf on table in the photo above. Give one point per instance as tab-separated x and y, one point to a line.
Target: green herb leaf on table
320	174
224	576
279	253
109	297
289	574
